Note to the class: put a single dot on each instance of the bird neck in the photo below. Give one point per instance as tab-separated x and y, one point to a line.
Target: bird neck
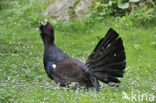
48	41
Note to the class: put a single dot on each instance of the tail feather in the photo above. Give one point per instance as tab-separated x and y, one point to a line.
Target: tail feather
119	65
107	61
104	77
111	67
113	59
101	76
109	38
115	48
115	80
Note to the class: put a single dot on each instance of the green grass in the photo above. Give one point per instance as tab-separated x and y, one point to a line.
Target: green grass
22	76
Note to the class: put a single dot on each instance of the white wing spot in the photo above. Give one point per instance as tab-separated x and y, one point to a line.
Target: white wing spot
54	66
114	54
108	45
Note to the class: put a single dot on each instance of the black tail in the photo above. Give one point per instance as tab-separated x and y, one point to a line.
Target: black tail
107	61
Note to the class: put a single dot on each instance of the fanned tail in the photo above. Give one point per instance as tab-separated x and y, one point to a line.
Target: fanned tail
107	61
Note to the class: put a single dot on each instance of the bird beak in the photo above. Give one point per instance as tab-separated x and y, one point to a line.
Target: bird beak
45	22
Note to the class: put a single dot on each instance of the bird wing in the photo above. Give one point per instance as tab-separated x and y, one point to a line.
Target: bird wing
67	71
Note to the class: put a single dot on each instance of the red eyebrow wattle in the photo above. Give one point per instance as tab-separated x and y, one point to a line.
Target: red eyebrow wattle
49	26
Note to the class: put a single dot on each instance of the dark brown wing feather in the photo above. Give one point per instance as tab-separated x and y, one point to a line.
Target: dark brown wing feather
68	71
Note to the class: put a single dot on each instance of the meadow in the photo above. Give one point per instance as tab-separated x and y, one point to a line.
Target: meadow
22	75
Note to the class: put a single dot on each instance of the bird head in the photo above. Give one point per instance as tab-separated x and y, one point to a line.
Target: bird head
47	31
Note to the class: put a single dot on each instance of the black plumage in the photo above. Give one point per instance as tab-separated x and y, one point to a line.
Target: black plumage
106	63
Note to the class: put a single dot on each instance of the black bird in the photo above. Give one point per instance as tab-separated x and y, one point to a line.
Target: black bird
106	63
